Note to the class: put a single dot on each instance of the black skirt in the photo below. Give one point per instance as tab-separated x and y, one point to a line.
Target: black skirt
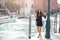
39	21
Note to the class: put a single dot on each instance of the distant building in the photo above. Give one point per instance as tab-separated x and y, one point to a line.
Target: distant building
20	2
59	7
43	4
1	1
38	4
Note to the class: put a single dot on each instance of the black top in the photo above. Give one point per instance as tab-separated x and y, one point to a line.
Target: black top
39	21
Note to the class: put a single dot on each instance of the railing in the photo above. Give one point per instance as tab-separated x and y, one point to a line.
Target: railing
53	27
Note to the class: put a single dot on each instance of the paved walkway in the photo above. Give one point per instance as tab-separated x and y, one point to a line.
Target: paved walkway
53	37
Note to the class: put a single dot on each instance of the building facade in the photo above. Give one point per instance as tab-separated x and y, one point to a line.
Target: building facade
20	2
43	4
38	4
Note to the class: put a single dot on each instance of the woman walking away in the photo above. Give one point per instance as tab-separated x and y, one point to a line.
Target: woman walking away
39	22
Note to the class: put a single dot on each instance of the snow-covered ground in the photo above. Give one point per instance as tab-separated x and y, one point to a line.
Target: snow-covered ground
14	31
19	30
54	36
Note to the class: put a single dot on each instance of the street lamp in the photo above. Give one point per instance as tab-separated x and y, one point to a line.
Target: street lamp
47	35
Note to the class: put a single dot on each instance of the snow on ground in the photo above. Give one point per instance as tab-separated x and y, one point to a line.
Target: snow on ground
19	30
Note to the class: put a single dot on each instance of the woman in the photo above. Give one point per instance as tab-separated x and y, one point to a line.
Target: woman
39	22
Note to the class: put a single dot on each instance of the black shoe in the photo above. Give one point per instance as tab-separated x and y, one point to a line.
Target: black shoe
38	36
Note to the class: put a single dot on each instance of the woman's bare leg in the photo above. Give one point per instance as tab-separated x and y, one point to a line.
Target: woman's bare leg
39	31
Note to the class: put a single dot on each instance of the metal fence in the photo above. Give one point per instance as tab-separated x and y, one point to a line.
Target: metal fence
54	26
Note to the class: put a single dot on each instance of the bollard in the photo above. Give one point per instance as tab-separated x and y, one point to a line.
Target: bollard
29	27
59	29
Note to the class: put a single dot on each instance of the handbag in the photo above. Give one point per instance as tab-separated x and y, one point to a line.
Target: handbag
44	15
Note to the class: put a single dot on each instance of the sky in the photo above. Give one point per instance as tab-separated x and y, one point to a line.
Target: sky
58	1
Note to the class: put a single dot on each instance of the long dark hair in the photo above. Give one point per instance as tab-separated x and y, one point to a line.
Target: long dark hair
38	13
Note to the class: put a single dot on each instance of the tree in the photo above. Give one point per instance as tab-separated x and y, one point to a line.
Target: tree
11	6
